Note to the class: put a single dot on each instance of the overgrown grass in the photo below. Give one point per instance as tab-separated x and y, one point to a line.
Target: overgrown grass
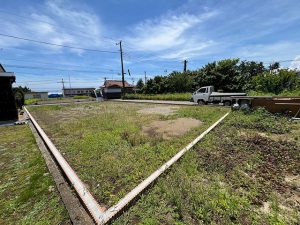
24	182
295	93
31	101
262	121
228	178
37	100
50	100
171	96
105	144
225	179
81	97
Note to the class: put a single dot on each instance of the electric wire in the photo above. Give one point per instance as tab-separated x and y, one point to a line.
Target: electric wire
59	45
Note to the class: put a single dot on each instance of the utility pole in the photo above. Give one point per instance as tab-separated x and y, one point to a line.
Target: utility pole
63	86
184	65
69	81
123	80
145	77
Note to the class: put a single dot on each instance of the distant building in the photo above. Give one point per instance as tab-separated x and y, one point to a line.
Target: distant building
8	109
113	88
68	92
38	95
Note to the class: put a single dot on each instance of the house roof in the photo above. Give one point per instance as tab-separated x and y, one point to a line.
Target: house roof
7	74
115	83
2	69
10	76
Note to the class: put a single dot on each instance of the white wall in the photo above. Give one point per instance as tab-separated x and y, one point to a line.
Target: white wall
42	95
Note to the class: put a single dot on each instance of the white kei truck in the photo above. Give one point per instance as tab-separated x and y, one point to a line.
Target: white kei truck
205	95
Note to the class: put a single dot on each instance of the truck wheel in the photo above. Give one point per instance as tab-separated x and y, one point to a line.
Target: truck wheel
201	102
227	103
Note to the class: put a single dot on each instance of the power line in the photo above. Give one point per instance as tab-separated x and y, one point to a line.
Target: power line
51	75
52	24
287	60
58	64
54	82
46	68
59	45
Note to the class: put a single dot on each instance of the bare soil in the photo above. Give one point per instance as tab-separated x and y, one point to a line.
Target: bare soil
162	110
170	128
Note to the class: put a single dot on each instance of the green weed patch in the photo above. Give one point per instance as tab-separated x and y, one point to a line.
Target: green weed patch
24	188
107	147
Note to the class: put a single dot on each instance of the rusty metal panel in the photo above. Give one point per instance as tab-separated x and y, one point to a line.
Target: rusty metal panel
287	105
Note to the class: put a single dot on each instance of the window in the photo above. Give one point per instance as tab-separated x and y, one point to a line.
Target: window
202	90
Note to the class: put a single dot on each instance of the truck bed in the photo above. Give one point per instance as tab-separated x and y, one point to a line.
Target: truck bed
220	94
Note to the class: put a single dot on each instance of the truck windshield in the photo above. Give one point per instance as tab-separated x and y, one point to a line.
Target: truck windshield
202	90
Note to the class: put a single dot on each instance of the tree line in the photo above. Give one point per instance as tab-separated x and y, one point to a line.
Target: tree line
225	75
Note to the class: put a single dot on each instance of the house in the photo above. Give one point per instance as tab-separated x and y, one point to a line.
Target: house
8	109
69	92
37	95
113	88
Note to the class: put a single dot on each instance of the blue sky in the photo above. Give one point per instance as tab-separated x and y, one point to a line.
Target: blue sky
157	36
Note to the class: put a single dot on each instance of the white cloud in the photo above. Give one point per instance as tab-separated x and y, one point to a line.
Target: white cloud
296	63
171	36
280	50
56	22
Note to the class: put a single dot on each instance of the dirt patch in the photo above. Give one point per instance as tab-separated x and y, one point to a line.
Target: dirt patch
266	207
293	180
170	128
255	160
162	110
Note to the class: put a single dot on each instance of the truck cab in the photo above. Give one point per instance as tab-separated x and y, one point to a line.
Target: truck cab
201	96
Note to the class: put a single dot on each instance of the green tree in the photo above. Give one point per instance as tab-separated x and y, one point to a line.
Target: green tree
223	75
21	89
19	93
274	66
178	82
249	69
140	84
276	82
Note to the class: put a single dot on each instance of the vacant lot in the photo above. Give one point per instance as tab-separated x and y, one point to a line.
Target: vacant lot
246	171
112	146
27	191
